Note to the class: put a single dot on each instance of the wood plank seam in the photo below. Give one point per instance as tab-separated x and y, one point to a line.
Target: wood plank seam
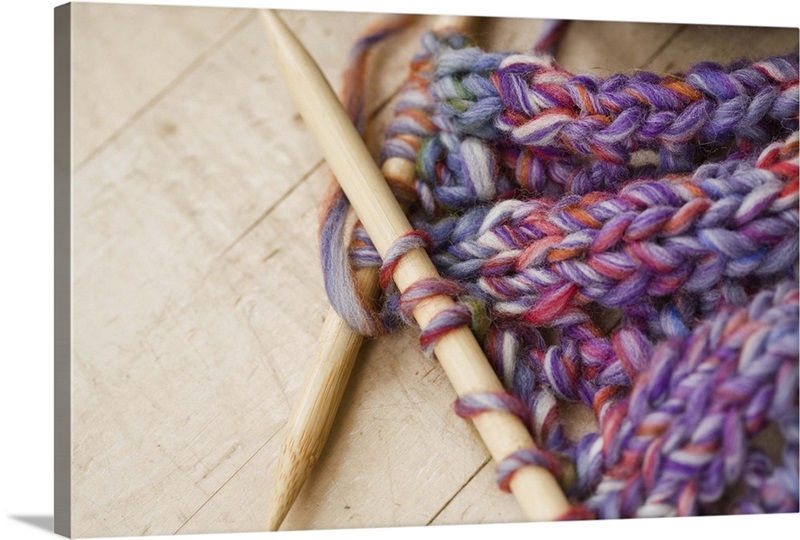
661	48
223	484
459	490
166	90
272	207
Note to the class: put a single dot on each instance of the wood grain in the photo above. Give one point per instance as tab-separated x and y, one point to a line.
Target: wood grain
161	46
197	290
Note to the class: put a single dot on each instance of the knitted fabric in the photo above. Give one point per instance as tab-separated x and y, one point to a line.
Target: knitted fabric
628	242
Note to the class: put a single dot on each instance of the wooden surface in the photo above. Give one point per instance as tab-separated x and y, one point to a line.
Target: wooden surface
197	294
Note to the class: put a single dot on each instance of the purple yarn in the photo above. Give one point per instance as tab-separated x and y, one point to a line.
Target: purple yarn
549	201
689	416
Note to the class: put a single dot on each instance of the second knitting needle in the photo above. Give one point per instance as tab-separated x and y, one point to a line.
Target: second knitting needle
315	409
458	352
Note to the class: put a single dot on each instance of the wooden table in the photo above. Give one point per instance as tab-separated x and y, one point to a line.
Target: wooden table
197	291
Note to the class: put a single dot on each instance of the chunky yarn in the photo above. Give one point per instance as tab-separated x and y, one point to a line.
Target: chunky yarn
627	242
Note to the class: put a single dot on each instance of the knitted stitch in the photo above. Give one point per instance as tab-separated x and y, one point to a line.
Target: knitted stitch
552	203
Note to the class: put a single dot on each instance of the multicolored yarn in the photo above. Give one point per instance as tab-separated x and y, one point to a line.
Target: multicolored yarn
627	242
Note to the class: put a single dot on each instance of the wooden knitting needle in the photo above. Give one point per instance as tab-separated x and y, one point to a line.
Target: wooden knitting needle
458	352
313	414
315	410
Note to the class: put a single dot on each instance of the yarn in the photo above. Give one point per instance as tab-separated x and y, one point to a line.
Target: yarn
552	205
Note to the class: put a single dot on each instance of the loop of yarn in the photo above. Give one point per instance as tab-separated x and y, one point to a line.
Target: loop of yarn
512	463
445	320
404	244
471	405
628	243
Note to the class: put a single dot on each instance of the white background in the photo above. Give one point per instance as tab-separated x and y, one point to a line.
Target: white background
26	265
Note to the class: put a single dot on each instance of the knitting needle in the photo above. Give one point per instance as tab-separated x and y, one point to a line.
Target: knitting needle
312	416
458	351
315	410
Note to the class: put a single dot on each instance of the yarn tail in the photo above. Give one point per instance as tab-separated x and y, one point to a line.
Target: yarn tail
550	37
337	269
